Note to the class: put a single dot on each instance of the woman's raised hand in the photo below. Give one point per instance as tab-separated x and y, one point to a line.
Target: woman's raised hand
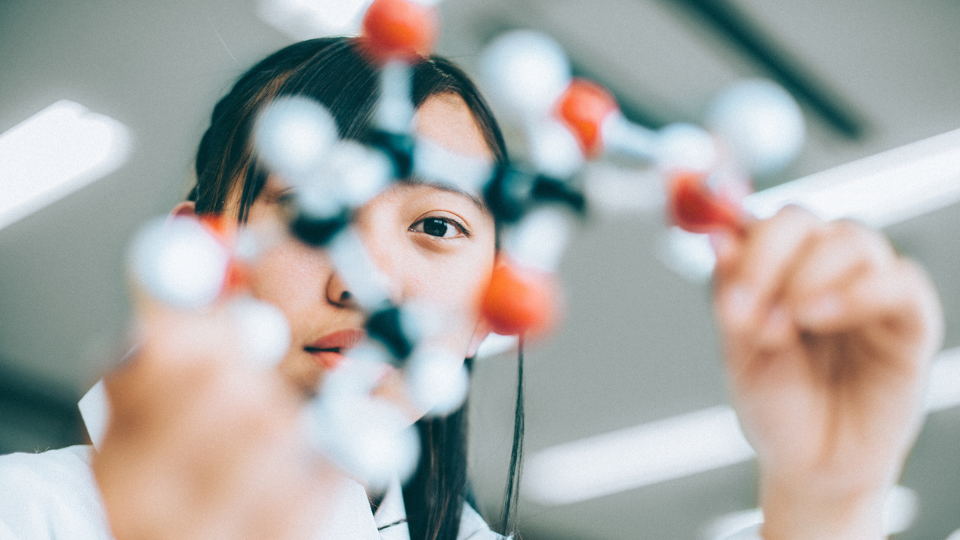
828	336
204	442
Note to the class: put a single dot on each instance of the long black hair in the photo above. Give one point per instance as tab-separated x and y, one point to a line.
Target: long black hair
336	73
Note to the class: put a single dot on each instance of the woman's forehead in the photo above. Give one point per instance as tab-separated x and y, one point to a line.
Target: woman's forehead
447	120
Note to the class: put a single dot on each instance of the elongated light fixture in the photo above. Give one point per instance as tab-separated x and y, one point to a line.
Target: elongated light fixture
672	448
54	153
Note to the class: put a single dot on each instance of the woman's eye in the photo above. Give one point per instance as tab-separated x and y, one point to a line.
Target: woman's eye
438	227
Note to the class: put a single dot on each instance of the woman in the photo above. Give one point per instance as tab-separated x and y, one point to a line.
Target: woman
827	334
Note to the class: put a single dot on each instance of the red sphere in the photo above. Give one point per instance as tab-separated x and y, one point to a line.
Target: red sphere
400	29
583	107
519	302
697	209
224	229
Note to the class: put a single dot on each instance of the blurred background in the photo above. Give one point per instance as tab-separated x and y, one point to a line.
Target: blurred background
637	344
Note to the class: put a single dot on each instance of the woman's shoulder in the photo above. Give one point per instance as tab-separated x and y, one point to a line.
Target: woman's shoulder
50	494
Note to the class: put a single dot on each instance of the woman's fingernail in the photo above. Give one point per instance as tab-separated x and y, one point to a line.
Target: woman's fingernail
824	308
722	244
740	303
777	325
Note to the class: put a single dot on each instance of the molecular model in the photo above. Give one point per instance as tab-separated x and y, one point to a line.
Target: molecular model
566	122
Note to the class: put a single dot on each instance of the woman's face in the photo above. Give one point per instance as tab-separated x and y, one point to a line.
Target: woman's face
435	246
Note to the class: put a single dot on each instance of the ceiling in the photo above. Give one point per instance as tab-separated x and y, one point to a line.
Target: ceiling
637	343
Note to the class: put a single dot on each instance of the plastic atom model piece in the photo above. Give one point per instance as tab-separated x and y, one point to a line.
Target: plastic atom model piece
400	29
519	301
584	107
697	209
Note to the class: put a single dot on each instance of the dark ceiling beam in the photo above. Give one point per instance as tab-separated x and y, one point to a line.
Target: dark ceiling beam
733	25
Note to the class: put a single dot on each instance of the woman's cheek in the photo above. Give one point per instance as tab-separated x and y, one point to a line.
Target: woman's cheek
284	278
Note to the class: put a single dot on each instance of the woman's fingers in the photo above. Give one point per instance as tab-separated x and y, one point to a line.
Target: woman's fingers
845	257
750	275
794	274
897	301
843	249
201	416
748	284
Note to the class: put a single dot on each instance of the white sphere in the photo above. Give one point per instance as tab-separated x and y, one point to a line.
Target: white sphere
686	147
554	150
369	438
525	71
437	381
263	331
179	263
293	135
356	173
539	240
761	123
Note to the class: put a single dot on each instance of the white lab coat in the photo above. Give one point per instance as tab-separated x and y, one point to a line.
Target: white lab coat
53	495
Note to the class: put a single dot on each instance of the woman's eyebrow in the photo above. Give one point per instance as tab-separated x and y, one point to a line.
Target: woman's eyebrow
449	188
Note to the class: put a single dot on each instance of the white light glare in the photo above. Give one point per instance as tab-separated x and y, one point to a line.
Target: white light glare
54	153
677	447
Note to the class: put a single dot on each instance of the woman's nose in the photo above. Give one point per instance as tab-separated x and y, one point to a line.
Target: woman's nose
337	292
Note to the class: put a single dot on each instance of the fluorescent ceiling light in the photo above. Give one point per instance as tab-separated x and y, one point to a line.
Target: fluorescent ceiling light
944	389
672	448
899	513
636	456
879	190
306	19
726	526
54	153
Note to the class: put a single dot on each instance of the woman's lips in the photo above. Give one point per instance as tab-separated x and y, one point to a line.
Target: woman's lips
328	350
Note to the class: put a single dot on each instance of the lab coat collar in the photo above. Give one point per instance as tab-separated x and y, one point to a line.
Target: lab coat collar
390	512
